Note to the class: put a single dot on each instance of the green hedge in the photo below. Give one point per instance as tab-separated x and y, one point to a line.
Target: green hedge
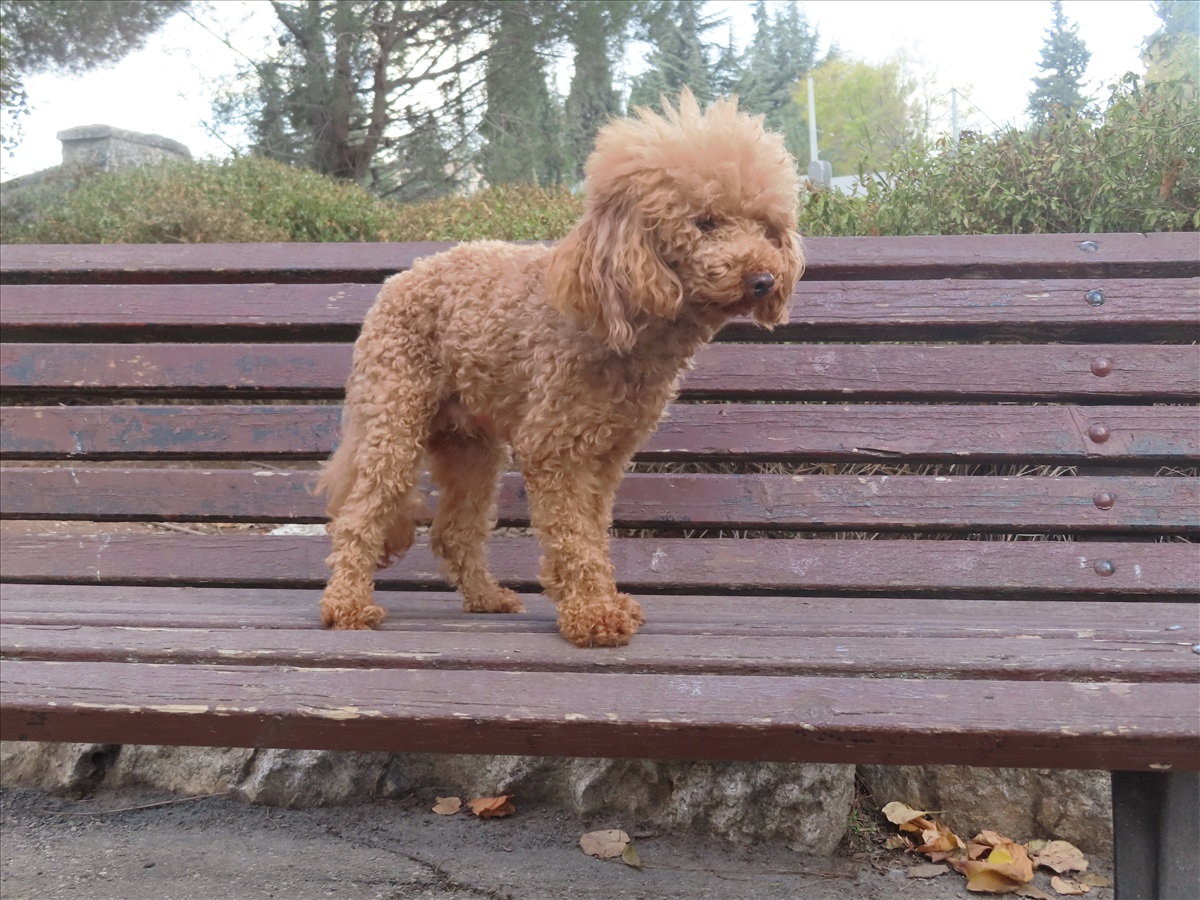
1138	169
1135	170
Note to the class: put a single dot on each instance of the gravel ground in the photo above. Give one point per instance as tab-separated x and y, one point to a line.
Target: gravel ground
118	846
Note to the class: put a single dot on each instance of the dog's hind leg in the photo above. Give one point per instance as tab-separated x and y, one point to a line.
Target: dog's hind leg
374	476
466	470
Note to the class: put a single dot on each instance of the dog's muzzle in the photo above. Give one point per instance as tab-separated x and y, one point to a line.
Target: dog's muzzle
756	285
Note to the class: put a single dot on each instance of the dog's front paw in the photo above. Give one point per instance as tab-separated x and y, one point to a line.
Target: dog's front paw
495	600
350	616
634	608
609	624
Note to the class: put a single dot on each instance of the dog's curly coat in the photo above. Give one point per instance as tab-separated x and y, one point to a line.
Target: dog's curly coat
565	355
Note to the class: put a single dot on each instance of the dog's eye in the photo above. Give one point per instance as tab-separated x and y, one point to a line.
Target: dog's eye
706	224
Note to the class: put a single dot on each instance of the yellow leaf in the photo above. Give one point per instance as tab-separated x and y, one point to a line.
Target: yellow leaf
981	876
1006	868
630	857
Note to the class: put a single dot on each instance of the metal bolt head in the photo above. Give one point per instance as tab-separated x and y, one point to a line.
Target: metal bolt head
1105	567
1104	499
1101	366
1099	433
1094	297
1089	247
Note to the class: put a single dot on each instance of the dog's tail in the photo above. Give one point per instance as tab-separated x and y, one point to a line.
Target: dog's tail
337	473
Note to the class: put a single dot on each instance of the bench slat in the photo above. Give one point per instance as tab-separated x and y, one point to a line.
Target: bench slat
714	653
73	606
927	256
731	372
882	720
1147	309
744	432
691	501
984	569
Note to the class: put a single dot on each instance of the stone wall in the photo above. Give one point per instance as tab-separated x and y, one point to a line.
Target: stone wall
86	150
104	148
805	806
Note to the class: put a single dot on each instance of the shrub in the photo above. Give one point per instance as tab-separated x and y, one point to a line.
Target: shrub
1137	170
239	200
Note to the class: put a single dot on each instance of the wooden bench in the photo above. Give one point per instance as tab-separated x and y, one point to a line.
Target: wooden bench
947	515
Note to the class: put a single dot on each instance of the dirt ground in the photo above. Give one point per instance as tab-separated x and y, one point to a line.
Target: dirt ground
118	846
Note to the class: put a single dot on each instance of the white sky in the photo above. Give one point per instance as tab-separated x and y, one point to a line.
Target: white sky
989	49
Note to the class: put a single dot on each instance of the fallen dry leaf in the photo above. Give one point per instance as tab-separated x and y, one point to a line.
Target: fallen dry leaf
939	841
447	806
630	857
1061	856
926	870
898	842
1094	880
604	844
901	814
1035	846
492	807
984	843
1068	888
1002	871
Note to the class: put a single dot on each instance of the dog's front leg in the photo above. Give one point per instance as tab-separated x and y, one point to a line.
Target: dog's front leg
571	509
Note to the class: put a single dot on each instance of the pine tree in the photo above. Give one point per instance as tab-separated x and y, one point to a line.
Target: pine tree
727	68
783	51
596	31
521	125
424	169
1172	53
1059	91
680	56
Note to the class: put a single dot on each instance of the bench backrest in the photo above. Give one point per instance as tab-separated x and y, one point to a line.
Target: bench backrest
925	388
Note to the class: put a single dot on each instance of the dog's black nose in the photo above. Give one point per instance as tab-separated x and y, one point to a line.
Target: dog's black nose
758	284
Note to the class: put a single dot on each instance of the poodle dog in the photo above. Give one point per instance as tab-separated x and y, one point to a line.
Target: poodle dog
564	356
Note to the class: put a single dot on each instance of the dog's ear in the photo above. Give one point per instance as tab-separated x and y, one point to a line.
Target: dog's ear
609	274
775	310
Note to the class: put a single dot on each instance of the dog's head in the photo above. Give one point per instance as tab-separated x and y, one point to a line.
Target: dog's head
687	208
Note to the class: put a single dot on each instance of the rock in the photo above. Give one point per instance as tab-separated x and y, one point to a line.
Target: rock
804	806
304	778
1023	804
65	768
184	770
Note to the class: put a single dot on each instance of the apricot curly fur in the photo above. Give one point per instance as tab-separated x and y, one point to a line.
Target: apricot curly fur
564	357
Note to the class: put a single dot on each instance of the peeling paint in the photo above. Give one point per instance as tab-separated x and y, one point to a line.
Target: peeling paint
340	713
